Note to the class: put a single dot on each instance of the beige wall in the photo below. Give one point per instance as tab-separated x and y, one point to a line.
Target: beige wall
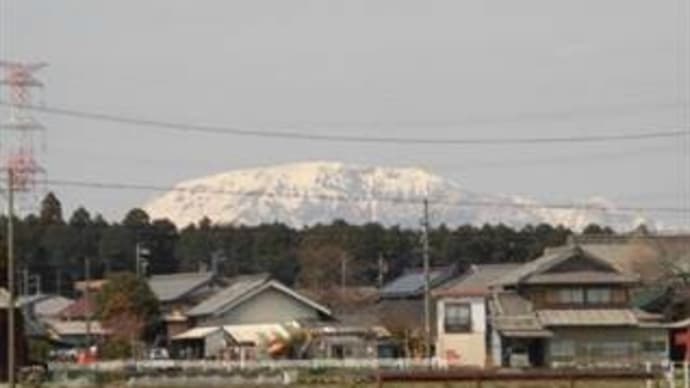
463	348
269	306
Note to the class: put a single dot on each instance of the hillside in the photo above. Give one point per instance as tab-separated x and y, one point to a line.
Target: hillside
308	193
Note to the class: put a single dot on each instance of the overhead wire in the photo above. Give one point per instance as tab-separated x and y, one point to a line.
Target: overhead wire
347	198
298	135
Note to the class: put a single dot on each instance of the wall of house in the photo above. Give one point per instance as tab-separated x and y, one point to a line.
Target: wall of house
214	344
467	348
543	297
608	346
269	306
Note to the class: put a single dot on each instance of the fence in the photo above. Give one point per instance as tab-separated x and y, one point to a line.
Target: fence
673	375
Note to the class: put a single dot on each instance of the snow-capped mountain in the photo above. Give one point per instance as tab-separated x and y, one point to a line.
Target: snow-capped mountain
307	193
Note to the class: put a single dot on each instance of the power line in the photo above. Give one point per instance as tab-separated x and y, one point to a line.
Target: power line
296	135
344	198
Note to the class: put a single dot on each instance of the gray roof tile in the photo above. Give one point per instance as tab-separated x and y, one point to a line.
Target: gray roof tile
174	286
476	280
238	287
588	317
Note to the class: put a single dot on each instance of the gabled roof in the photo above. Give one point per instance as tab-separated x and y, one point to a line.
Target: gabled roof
172	287
537	269
242	289
45	305
411	283
238	287
476	281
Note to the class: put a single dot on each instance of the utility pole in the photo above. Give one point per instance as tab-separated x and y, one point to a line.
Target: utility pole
10	280
343	273
142	263
87	296
379	276
25	282
58	281
427	286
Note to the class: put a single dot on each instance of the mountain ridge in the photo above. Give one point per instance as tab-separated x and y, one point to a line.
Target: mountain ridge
305	193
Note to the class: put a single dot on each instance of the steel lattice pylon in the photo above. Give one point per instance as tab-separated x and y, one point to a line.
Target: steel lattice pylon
17	150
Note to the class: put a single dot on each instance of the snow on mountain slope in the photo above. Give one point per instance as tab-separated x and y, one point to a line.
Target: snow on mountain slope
307	193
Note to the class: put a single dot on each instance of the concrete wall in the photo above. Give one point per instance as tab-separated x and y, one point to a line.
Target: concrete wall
463	348
269	306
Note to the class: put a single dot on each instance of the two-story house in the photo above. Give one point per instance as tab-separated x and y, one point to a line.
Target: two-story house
571	308
461	307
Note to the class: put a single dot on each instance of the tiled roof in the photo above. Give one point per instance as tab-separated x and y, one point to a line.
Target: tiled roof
411	283
528	322
511	303
588	317
550	258
171	287
238	287
476	281
45	305
653	257
553	257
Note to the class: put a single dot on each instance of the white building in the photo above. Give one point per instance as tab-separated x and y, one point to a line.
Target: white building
461	308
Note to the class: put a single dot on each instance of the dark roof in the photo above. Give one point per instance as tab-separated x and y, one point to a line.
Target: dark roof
411	283
476	281
172	287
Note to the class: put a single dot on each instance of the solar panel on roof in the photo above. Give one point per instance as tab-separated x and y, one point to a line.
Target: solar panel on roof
411	283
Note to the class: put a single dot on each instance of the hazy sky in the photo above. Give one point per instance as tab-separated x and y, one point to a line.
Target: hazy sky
431	68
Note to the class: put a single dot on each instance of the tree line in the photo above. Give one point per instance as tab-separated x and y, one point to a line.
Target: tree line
55	248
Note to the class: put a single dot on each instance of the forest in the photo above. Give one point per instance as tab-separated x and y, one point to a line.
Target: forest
51	249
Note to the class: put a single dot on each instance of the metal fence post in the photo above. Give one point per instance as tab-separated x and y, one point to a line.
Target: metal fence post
648	369
672	375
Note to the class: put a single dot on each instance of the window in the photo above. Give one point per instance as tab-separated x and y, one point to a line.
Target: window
571	296
655	344
457	318
562	350
610	351
599	296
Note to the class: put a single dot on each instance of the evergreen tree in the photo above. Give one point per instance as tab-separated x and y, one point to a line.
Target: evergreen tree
51	210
